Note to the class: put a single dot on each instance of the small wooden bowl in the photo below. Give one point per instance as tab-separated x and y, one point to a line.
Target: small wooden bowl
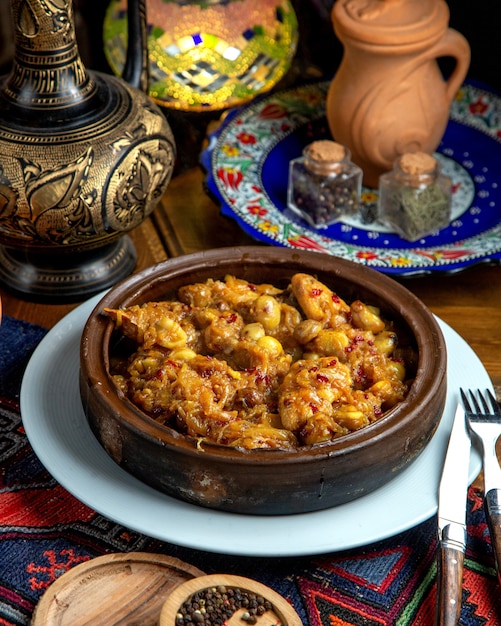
281	612
265	481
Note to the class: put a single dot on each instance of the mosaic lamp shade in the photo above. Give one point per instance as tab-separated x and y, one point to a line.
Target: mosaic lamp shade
210	54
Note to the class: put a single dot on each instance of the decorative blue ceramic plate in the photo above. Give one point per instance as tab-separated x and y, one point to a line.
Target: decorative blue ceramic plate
247	164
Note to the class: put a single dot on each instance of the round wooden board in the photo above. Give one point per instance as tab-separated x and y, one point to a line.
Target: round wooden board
122	589
282	612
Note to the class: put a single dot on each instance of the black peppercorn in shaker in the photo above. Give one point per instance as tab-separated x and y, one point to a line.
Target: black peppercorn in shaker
415	197
324	185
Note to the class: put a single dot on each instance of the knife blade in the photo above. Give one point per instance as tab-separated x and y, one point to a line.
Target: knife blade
452	497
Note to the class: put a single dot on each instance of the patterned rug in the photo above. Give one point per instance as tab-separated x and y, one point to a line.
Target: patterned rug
44	531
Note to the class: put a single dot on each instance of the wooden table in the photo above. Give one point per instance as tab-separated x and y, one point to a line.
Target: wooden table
187	220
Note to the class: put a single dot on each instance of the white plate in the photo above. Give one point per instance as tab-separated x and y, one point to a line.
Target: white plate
57	429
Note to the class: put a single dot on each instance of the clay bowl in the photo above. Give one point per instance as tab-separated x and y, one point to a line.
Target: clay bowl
265	481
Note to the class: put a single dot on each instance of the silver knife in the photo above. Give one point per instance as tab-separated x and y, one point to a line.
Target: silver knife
452	497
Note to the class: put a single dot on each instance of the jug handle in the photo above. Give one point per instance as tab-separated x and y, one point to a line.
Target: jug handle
453	44
136	69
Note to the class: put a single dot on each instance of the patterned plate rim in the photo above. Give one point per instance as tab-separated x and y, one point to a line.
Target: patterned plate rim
234	162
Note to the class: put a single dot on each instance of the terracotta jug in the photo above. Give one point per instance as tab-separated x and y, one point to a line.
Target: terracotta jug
389	95
84	158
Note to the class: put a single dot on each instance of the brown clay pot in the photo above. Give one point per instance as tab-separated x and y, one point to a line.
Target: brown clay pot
264	481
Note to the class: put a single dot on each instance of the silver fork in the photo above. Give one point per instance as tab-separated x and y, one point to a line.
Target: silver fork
483	416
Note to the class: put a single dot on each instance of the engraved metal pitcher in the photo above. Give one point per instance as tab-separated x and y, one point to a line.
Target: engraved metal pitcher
84	158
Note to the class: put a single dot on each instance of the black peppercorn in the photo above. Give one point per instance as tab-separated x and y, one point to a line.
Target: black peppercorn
215	605
324	185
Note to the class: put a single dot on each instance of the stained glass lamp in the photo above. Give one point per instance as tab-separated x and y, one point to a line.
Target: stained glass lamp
209	55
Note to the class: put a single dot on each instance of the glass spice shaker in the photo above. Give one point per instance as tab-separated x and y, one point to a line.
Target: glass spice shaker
324	185
415	197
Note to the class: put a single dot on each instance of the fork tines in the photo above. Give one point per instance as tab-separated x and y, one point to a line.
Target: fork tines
481	406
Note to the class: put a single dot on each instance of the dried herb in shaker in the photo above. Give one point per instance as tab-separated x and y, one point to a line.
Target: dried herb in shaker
324	185
415	197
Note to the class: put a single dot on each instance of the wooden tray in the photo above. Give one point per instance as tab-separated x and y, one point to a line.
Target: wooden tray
113	589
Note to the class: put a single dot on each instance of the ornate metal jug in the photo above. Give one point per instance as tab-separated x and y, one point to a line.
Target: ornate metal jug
84	158
388	96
